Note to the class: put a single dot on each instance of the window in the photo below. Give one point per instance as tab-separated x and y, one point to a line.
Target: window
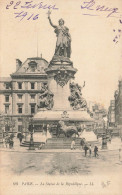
7	85
6	109
7	128
20	128
19	120
32	66
20	98
32	85
32	109
7	98
19	85
32	98
20	109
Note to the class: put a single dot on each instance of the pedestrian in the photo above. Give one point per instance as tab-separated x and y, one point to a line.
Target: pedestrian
11	143
6	142
40	146
110	140
120	154
20	137
95	151
121	138
85	149
90	150
73	145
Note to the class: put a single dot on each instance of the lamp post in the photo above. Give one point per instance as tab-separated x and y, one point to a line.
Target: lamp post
104	141
7	126
104	135
31	146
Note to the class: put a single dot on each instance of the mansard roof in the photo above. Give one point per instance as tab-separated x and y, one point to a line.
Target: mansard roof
32	66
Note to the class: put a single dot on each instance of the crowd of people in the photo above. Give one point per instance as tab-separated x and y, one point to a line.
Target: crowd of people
9	140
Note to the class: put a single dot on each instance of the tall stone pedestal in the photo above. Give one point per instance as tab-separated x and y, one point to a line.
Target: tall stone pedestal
60	73
59	78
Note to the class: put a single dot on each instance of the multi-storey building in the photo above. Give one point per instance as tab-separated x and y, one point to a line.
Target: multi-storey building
118	107
118	104
98	112
111	114
19	94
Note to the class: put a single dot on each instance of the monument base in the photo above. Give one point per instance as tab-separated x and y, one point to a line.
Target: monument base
65	115
61	143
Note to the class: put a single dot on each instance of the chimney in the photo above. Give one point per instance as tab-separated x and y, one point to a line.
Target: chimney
18	64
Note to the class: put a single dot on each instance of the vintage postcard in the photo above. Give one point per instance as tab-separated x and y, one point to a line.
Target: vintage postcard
60	97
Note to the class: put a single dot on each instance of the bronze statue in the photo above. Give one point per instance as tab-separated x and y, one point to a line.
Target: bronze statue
63	44
76	99
46	98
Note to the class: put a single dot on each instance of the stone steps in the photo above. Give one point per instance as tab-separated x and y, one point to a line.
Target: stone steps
58	143
27	144
63	143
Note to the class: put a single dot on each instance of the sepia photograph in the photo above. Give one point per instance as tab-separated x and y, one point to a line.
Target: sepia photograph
60	97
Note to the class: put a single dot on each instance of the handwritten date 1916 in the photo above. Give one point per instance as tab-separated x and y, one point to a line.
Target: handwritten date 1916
91	5
28	5
23	14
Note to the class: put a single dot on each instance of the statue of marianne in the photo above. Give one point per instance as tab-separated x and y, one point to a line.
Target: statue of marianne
63	44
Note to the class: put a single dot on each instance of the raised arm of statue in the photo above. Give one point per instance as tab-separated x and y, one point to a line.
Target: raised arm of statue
54	26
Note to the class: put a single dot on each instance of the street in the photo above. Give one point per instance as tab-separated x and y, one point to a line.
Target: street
59	163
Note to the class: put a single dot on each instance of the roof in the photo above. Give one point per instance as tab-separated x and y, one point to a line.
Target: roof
25	68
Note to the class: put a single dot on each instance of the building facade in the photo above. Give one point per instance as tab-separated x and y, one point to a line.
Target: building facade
111	114
98	112
118	107
19	94
118	104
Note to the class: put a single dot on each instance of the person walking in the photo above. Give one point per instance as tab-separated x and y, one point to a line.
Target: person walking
20	138
120	154
73	145
85	149
82	142
90	150
96	151
6	142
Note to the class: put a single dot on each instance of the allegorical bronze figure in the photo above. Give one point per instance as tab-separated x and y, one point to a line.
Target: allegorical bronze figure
63	44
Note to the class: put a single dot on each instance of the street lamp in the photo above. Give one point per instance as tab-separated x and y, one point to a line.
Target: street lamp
31	146
104	141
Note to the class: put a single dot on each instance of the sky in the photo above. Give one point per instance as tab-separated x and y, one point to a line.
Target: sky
95	55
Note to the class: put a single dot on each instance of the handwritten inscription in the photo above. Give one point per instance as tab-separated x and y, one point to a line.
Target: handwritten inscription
91	5
118	33
29	5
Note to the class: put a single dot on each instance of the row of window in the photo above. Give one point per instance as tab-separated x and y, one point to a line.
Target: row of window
20	109
20	85
19	97
7	85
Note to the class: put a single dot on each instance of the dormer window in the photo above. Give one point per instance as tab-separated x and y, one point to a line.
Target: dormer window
32	66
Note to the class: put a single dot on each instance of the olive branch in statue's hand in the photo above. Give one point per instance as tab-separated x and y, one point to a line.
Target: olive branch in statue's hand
49	13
